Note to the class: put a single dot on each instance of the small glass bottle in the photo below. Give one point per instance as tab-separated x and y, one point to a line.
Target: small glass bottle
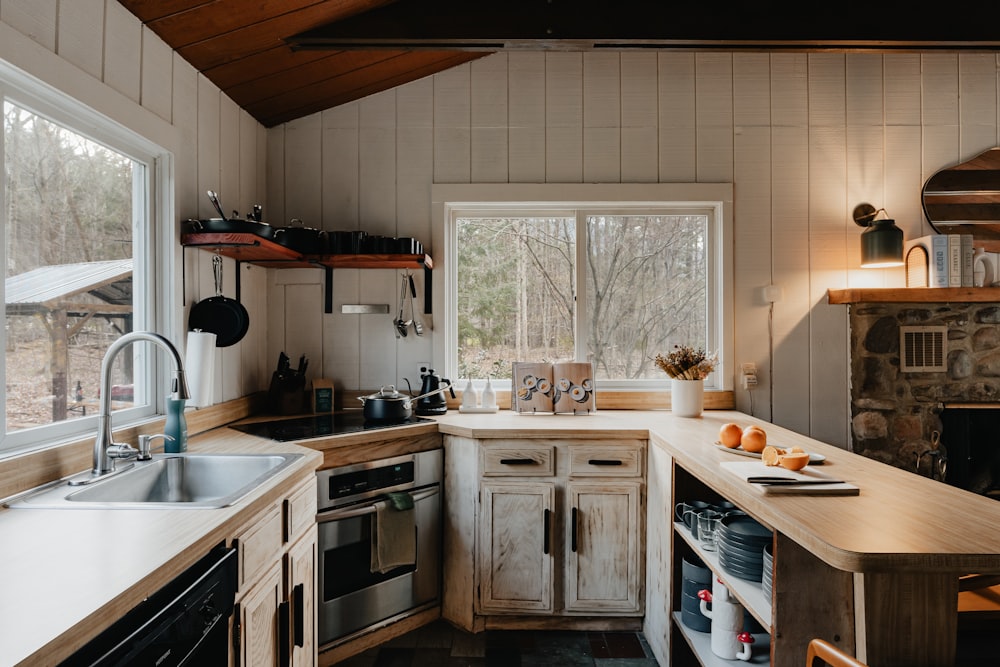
489	395
175	427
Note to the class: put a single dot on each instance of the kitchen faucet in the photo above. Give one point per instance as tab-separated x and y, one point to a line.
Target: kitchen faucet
105	449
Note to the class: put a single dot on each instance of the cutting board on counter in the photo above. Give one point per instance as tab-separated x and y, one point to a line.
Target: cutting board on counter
746	469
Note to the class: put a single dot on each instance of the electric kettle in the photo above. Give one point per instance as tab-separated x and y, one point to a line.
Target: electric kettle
432	400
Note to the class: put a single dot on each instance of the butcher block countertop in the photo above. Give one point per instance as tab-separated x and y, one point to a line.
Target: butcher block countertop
59	569
66	574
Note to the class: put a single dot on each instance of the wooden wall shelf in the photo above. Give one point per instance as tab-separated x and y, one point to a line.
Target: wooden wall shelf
264	252
914	295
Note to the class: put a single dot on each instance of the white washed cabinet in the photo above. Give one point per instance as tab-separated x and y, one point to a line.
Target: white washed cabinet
558	530
275	620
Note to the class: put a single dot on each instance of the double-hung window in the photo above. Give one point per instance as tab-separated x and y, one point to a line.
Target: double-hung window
77	205
610	274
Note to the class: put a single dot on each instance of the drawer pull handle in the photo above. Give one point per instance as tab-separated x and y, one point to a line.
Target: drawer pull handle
299	619
545	529
604	462
573	531
284	650
519	462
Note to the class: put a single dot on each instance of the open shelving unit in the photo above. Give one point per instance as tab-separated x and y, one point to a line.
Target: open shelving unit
259	251
913	295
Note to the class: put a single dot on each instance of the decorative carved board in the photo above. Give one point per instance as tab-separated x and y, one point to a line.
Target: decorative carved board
965	199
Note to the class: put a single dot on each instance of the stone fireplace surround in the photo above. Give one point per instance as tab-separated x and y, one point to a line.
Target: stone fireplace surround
894	415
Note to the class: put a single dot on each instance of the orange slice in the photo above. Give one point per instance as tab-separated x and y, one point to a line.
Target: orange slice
770	456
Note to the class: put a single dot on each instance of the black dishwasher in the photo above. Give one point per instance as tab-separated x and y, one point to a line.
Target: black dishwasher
184	623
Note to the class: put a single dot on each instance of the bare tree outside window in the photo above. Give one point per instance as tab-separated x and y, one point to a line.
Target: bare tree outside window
645	289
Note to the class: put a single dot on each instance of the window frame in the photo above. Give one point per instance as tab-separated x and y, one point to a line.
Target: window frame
452	200
153	268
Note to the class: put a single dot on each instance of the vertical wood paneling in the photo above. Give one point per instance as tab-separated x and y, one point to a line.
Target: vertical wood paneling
714	132
488	115
939	119
977	95
377	164
790	214
34	18
639	157
865	150
526	110
303	177
229	156
184	112
677	117
828	235
563	117
81	34
209	159
122	50
157	75
275	175
249	193
752	226
602	103
452	129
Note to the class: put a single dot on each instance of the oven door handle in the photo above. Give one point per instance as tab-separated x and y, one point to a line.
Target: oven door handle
338	515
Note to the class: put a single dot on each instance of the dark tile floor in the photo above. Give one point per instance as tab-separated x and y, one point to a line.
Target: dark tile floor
441	645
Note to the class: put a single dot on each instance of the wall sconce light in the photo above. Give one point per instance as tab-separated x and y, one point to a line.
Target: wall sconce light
882	240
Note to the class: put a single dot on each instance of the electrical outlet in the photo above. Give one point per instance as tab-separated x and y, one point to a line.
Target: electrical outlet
748	374
422	365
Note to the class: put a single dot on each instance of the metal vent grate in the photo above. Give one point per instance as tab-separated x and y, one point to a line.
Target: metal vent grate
923	349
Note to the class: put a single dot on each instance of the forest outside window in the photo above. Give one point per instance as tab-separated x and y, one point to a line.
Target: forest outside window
76	210
612	283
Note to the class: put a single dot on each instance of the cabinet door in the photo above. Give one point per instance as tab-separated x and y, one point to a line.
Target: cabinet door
301	578
516	547
604	547
259	621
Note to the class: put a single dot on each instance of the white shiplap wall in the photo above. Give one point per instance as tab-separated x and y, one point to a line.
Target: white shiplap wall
99	53
804	138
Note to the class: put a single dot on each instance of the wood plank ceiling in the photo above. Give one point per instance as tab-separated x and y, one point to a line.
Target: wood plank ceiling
284	59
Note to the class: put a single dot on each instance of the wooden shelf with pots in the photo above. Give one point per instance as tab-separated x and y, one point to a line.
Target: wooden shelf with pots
265	252
913	295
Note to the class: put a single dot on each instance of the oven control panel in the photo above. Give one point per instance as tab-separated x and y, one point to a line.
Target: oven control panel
373	479
337	487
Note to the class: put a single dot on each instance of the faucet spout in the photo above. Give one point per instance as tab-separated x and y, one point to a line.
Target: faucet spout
103	444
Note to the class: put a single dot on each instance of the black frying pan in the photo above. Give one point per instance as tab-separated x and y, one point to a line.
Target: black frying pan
225	317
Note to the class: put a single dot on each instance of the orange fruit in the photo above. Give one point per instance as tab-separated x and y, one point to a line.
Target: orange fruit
770	455
730	435
754	439
795	461
794	450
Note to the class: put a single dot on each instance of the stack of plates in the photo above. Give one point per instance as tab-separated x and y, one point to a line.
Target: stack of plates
741	542
768	570
696	577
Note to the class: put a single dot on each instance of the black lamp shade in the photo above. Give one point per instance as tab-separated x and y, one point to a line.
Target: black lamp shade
882	244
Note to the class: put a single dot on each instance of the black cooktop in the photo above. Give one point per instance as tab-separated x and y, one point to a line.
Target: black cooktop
337	423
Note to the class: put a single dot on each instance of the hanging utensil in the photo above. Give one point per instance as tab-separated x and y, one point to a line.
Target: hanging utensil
214	198
398	323
225	317
418	327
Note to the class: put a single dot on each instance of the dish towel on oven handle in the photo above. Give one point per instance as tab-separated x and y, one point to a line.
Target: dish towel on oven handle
394	537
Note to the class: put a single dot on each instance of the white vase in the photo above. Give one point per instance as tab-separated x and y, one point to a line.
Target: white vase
687	397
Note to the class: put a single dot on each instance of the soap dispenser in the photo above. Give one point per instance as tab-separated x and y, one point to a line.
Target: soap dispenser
470	397
489	395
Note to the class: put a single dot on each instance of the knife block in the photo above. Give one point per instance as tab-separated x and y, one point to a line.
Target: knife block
286	395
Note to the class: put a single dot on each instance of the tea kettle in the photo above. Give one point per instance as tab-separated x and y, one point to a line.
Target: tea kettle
432	400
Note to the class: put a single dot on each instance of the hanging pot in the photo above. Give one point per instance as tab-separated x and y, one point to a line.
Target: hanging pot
225	317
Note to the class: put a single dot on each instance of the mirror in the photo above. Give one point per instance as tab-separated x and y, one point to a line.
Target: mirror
965	199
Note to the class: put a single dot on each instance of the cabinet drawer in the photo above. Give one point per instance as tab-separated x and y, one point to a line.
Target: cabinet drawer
606	460
519	461
260	544
300	510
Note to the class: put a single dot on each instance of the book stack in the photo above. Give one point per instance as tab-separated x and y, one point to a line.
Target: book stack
560	387
949	260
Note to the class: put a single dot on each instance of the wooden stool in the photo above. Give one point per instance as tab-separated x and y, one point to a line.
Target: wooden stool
821	652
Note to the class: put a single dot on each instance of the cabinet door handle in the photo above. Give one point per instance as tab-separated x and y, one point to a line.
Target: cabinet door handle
604	462
573	530
518	462
284	647
237	629
545	529
299	617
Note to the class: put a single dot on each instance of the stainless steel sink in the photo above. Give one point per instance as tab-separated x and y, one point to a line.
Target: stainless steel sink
179	481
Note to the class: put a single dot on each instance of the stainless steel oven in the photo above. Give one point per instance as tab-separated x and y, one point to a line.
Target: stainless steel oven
351	596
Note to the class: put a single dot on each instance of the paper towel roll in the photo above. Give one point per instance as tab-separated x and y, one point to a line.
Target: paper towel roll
199	367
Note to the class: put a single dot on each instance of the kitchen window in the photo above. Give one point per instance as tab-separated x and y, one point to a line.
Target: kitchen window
610	274
78	264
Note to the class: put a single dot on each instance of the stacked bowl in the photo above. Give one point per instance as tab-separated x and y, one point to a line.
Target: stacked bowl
768	570
696	577
741	542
